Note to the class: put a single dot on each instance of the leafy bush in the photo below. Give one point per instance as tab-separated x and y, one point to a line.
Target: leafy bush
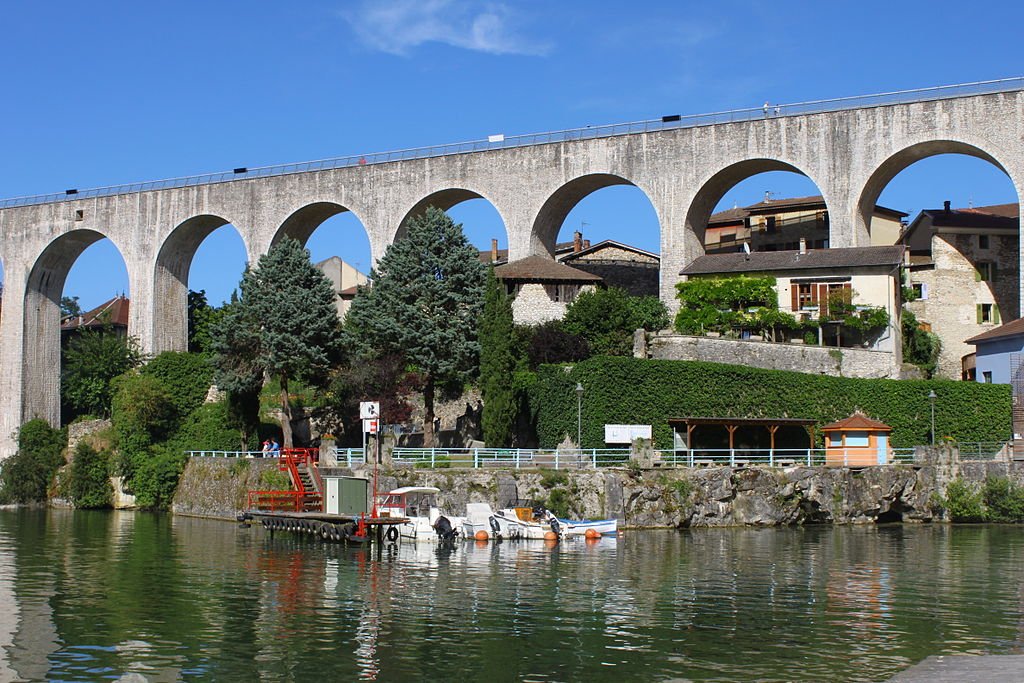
638	391
607	318
207	428
962	502
25	477
1004	500
90	478
550	343
275	480
919	347
91	361
187	376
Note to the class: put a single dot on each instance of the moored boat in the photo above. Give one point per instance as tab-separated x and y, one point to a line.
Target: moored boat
425	521
590	527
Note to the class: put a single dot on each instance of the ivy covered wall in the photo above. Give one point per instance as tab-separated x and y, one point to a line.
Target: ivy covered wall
637	391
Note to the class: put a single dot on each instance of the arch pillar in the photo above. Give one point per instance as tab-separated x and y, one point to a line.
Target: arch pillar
12	344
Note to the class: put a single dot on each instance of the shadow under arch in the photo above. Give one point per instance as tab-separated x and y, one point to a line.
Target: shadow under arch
444	200
553	212
905	158
303	222
41	342
712	191
170	280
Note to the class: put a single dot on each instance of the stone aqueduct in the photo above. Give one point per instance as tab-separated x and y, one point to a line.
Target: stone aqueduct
851	153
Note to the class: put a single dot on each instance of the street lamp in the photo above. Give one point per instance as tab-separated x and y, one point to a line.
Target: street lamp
579	415
932	397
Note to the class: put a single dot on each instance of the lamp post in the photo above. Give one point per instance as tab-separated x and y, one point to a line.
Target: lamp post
579	415
932	397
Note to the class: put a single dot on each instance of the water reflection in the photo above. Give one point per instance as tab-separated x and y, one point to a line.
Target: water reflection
90	596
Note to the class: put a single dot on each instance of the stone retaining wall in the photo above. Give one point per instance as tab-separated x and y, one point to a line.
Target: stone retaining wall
846	362
648	498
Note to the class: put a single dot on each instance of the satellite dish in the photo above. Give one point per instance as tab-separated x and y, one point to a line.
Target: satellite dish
746	248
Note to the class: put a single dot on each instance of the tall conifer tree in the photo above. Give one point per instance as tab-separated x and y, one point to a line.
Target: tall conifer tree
497	363
285	324
425	304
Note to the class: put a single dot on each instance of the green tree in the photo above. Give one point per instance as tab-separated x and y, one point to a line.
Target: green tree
285	324
69	307
607	318
90	478
201	318
26	475
91	360
497	364
919	347
426	299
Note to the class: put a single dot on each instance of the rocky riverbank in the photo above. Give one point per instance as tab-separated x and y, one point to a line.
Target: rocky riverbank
650	498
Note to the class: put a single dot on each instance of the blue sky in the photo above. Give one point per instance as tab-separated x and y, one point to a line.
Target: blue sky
105	93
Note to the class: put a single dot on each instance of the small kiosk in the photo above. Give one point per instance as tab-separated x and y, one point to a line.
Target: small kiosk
857	441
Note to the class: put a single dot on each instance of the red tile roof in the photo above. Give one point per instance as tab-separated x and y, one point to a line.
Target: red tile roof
113	312
859	422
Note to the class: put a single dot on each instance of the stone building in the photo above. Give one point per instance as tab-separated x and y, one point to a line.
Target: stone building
618	265
543	288
964	268
345	279
782	224
806	281
110	315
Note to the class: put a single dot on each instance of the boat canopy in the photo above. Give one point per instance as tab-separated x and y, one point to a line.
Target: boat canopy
413	489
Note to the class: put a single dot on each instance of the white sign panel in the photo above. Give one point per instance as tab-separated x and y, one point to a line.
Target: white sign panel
369	410
626	433
370	426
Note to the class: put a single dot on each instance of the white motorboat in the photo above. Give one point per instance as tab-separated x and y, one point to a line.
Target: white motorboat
527	523
479	517
602	527
418	505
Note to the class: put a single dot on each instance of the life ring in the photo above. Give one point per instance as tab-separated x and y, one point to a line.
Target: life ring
392	534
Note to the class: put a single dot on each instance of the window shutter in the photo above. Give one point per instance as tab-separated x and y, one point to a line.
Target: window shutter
924	290
977	274
794	289
823	300
995	315
979	313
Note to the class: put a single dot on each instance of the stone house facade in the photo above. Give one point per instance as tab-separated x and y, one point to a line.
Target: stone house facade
783	224
542	288
805	282
964	270
345	279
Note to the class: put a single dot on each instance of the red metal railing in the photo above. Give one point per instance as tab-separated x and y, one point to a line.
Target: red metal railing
300	498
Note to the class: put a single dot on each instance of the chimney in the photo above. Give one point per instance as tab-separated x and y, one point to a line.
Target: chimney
945	206
577	242
586	244
803	245
494	250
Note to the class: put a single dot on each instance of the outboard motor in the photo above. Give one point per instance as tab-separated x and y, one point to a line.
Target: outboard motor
555	525
444	529
495	527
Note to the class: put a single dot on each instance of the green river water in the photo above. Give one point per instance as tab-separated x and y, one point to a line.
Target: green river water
133	597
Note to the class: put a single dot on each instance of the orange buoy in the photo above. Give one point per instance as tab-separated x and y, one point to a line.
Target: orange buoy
481	535
592	533
550	536
480	544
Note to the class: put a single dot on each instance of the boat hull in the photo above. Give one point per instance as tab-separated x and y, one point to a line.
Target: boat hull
605	527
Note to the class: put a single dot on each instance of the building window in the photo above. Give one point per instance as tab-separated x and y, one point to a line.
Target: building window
985	314
563	294
920	290
769	226
805	296
985	272
857	439
982	241
987	376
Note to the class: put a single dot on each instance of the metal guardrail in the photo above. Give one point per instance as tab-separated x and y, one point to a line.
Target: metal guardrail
502	142
519	458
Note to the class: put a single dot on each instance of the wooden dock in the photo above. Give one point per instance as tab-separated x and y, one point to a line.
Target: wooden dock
328	527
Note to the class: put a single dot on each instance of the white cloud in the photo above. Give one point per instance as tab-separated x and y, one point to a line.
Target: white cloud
398	26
